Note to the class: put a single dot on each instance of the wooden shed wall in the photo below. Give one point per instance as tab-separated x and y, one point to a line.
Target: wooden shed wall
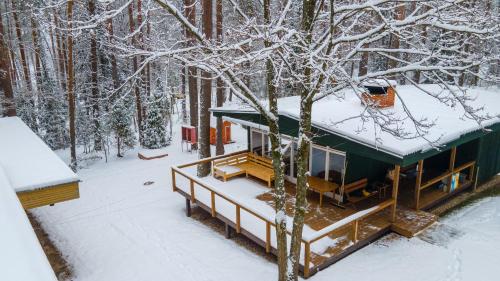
49	195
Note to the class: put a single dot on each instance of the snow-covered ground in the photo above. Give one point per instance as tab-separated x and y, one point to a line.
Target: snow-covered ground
121	229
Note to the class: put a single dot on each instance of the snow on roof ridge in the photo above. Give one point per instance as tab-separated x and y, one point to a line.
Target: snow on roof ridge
28	162
450	122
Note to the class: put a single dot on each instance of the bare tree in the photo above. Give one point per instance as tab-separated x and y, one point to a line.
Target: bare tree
205	96
7	103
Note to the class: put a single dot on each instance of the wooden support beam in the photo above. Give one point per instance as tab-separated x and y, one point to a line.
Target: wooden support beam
355	227
307	259
452	158
212	200
452	166
395	187
268	237
188	208
227	231
420	169
238	219
475	180
191	186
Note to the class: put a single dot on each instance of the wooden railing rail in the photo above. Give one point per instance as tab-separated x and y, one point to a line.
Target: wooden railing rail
352	220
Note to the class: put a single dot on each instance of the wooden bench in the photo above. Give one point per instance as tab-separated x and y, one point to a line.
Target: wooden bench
229	167
248	164
354	186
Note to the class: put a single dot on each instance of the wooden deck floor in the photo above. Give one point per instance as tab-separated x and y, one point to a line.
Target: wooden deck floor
408	222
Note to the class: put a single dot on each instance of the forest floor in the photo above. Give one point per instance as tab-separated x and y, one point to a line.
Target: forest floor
123	229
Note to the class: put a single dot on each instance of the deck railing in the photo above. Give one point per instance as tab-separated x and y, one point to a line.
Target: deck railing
351	221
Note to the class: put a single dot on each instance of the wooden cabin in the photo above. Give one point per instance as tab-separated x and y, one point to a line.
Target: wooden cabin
35	172
364	182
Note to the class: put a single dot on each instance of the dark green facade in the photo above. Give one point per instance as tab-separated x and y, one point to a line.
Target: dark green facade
366	161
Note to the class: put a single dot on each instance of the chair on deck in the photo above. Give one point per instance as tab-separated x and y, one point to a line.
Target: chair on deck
359	185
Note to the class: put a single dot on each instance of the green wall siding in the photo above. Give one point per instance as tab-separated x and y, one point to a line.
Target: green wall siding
489	156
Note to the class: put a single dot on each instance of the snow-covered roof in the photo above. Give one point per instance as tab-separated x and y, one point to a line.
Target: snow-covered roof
341	117
380	83
21	256
27	161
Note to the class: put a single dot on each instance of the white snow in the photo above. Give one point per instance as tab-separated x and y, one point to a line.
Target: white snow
27	161
21	256
121	229
341	117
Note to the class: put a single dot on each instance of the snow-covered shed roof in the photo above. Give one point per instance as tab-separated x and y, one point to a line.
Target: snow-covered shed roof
21	256
341	116
27	161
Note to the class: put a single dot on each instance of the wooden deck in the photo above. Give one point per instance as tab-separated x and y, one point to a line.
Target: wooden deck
338	231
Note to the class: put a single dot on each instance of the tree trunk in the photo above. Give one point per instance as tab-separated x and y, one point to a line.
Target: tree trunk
363	63
190	13
8	104
60	53
395	42
22	51
36	44
32	123
138	103
277	156
94	88
114	68
219	148
70	85
183	92
205	97
303	150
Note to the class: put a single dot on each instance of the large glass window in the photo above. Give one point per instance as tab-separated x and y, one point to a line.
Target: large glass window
336	164
257	142
318	158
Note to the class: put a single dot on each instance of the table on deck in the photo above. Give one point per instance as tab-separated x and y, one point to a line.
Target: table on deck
321	186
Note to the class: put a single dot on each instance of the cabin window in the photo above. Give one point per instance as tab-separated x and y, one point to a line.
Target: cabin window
318	161
327	164
336	167
256	142
259	143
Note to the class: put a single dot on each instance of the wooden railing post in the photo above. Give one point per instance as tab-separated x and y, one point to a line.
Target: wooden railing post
418	183
212	200
307	258
268	237
238	219
355	226
174	188
191	186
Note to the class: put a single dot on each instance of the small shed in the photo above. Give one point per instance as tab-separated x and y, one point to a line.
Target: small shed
35	172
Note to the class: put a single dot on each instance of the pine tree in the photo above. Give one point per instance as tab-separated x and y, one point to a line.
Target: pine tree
154	131
121	126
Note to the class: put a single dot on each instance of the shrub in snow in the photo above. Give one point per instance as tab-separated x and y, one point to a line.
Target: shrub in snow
120	123
154	133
